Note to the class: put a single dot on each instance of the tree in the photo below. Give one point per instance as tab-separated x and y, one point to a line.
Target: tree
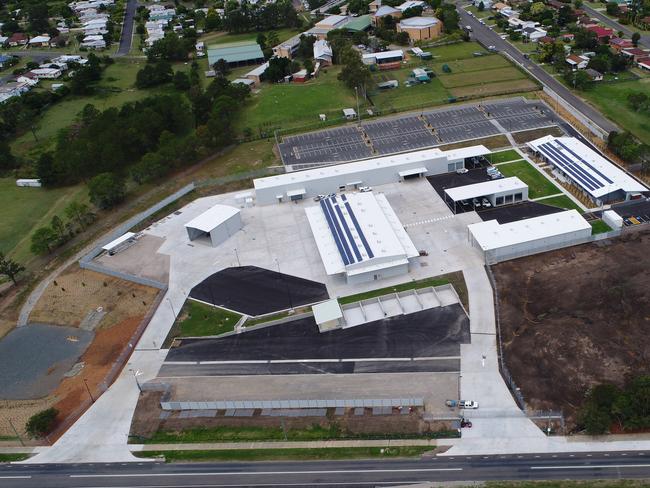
42	423
481	6
221	68
635	39
612	9
212	20
449	17
7	159
354	74
578	79
43	239
181	81
261	40
10	268
309	65
278	69
80	213
106	190
57	226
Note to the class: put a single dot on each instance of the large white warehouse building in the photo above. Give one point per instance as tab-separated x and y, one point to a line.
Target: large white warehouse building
359	237
500	242
376	171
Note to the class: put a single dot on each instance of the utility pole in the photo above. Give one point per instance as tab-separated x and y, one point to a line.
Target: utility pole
20	439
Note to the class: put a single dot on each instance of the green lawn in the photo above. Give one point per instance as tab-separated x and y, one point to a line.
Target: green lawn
563	202
472	64
599	227
611	99
538	185
500	157
214	38
287	454
456	279
406	97
198	319
251	433
11	458
289	105
24	209
461	50
487	76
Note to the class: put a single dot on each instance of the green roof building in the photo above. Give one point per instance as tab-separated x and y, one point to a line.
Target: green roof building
358	24
236	53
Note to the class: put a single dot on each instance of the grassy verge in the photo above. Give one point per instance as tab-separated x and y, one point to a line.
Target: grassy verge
288	454
562	202
253	433
11	458
568	484
500	157
599	227
492	142
456	279
197	320
530	135
538	185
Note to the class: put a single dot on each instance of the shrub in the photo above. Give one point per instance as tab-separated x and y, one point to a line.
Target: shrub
40	424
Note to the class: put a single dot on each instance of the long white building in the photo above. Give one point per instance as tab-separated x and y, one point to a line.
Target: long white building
595	176
359	236
376	171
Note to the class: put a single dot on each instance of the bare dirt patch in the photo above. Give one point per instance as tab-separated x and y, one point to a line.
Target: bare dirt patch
574	318
530	135
74	293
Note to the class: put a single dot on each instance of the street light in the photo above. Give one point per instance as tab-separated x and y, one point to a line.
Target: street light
171	306
237	256
92	399
137	373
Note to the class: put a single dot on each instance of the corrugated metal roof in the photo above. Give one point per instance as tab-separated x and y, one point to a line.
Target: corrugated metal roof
359	24
235	52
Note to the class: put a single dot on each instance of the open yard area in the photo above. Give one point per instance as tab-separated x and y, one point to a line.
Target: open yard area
496	88
75	293
198	319
563	202
611	99
574	318
538	184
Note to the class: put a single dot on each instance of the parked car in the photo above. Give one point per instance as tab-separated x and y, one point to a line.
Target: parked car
465	424
364	189
492	48
318	198
468	404
462	171
476	203
486	203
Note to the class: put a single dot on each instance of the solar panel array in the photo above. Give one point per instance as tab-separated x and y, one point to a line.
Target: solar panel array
289	404
574	165
346	231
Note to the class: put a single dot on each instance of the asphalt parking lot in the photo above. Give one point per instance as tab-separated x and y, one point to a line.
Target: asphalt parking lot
519	211
424	341
442	182
639	209
410	132
257	291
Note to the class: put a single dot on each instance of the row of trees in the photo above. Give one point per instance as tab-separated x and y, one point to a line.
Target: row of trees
260	17
45	239
629	149
607	405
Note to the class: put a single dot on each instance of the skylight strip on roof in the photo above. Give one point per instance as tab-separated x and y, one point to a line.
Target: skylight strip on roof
585	162
346	228
586	176
330	223
568	167
358	227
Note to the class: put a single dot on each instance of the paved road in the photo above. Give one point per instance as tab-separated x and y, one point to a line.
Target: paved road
487	37
127	28
331	473
645	38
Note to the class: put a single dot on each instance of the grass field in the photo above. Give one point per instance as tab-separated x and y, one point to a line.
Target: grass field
425	94
599	227
471	64
215	38
12	458
503	87
24	209
611	99
287	454
198	320
487	76
538	185
500	157
295	104
115	88
451	52
563	202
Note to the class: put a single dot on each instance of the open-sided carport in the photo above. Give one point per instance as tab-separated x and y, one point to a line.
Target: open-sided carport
502	191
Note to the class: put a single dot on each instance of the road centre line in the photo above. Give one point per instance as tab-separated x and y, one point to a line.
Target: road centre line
15	477
292	361
594	466
265	473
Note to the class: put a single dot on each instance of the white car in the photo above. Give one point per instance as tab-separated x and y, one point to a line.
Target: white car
468	404
364	189
462	171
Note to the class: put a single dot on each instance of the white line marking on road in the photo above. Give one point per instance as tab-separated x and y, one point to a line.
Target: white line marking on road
180	363
15	477
594	466
265	473
252	361
222	485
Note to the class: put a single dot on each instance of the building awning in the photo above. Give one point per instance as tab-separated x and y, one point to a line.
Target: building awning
113	244
354	183
327	311
411	172
296	193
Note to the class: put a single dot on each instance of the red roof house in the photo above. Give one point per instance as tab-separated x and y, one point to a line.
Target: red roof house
601	32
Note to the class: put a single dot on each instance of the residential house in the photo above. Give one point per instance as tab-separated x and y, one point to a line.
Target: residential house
644	63
603	34
567	37
4	60
499	5
616	43
385	11
635	53
577	62
256	74
18	39
46	73
374	5
3	40
594	75
411	4
420	28
384	60
487	4
546	40
28	78
67	59
323	52
508	12
12	89
533	34
59	41
517	23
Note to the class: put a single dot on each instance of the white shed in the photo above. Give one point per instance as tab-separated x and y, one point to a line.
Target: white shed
218	223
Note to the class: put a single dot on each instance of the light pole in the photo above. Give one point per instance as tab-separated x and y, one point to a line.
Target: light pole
356	95
137	373
92	399
171	306
237	256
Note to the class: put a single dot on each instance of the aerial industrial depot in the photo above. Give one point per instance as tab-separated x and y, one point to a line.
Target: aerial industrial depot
452	292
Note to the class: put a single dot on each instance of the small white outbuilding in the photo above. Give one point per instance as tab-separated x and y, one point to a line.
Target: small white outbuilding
218	224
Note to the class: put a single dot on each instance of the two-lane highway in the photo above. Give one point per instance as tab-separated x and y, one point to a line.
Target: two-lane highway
488	37
368	473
